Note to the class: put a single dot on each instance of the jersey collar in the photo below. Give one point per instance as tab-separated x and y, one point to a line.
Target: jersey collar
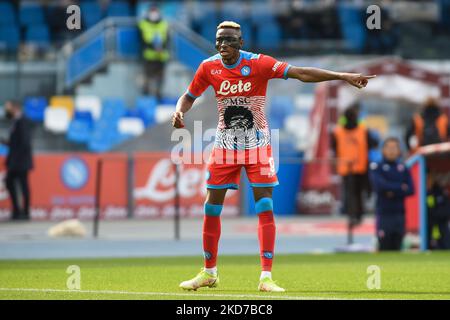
231	66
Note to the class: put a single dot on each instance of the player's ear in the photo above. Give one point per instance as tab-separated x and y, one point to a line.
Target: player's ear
241	43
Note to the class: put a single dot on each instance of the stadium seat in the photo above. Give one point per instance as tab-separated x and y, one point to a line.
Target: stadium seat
118	9
164	113
56	119
135	113
9	38
80	128
147	106
208	30
38	35
132	126
247	32
352	26
268	36
168	100
34	108
171	10
7	16
261	12
65	102
113	109
142	8
85	116
104	136
99	143
31	14
92	104
229	11
91	14
79	131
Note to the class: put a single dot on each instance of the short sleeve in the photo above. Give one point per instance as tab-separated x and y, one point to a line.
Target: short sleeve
270	68
199	84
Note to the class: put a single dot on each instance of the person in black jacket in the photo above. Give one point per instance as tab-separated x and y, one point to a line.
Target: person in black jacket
392	183
438	203
19	160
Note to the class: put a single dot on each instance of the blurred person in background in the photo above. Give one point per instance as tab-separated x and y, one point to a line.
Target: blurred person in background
438	204
351	142
428	127
392	182
19	160
155	37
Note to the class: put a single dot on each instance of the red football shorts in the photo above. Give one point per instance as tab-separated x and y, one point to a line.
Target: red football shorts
224	168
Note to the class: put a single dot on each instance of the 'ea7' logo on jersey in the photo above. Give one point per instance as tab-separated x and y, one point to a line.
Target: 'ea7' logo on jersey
275	66
226	87
245	71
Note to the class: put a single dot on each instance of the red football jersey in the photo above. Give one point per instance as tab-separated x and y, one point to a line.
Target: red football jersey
240	91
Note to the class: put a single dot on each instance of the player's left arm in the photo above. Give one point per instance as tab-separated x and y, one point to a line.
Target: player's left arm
306	74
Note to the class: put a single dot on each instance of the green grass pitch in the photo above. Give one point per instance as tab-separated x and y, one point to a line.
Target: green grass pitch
327	276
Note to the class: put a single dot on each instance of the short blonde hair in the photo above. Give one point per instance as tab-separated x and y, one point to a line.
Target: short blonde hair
229	24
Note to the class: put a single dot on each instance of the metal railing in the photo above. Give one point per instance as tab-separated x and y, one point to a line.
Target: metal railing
183	42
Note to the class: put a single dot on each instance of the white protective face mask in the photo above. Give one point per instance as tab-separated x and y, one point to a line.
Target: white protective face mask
154	16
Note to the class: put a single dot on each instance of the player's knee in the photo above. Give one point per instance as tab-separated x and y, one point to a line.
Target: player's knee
264	205
213	209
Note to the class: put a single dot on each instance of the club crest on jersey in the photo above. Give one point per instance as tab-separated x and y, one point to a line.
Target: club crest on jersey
226	87
245	70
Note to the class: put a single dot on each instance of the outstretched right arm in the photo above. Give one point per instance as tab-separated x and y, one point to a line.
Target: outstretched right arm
184	104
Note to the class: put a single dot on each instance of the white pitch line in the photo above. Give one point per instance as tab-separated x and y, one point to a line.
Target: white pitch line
192	295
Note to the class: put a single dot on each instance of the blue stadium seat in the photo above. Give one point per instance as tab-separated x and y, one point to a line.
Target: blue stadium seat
168	100
99	143
142	8
118	9
38	35
104	136
147	105
171	9
31	14
79	131
351	19
247	33
85	116
9	38
355	37
261	12
113	108
268	36
91	13
34	108
208	29
8	15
